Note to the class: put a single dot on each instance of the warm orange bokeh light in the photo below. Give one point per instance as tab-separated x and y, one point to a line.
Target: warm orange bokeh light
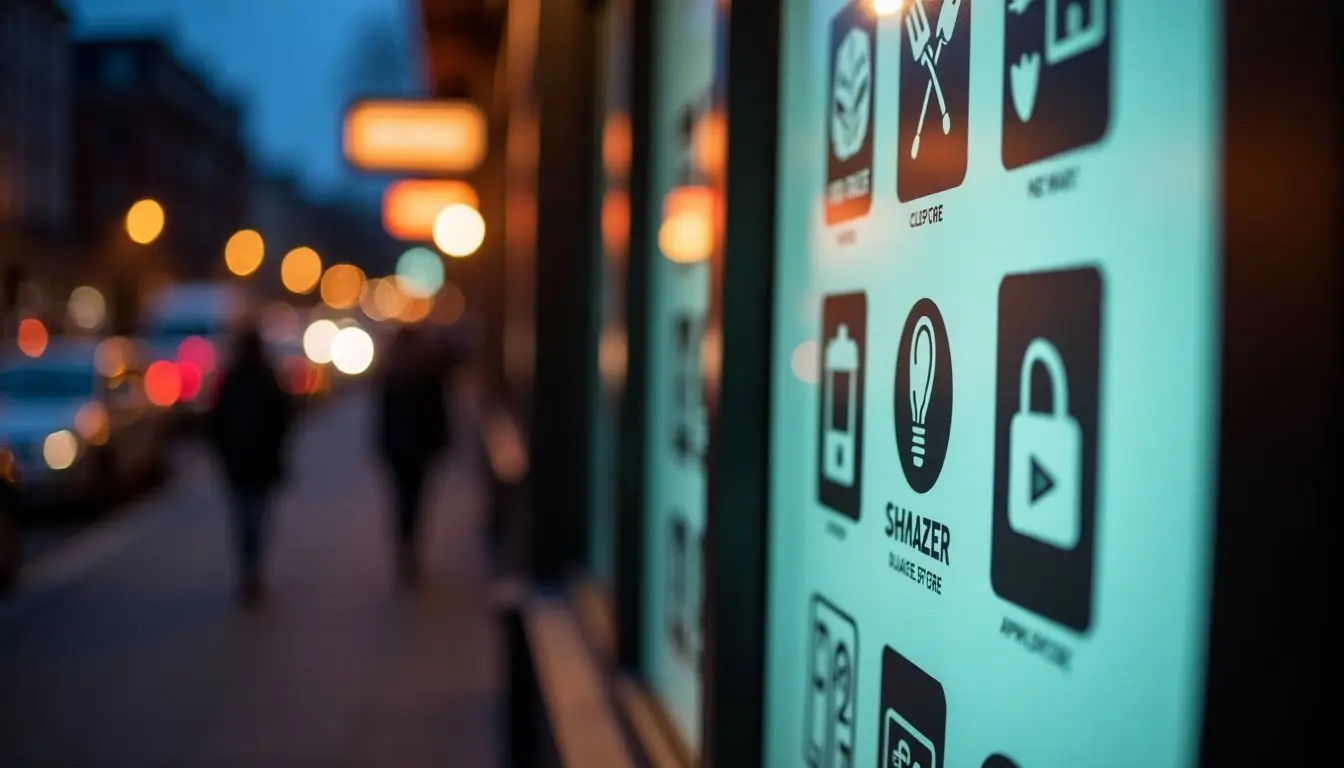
163	383
342	285
709	144
617	145
416	309
616	222
144	221
113	356
450	306
300	270
411	205
687	232
244	252
33	337
92	423
389	299
415	136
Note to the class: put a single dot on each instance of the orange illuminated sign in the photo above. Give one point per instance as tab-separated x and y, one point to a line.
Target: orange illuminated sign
415	136
411	205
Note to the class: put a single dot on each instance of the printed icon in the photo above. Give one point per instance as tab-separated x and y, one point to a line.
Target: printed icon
690	425
936	77
1045	448
849	153
999	761
838	444
684	587
914	715
923	404
1057	77
840	416
833	660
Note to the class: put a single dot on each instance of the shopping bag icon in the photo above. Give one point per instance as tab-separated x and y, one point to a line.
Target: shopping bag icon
1045	457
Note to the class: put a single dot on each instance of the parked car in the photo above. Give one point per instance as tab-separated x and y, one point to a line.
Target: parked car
74	431
189	325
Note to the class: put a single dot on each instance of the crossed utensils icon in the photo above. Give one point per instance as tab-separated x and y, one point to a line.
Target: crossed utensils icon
924	52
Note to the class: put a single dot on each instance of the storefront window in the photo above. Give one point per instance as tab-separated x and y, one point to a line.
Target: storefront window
997	242
686	203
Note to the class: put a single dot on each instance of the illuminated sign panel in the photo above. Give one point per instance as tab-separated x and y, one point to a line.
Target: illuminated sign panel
415	136
410	206
995	383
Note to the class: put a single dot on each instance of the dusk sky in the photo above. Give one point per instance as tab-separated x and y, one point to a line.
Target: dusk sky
289	61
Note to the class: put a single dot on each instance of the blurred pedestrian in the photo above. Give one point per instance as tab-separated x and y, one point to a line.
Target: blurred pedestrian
412	429
250	425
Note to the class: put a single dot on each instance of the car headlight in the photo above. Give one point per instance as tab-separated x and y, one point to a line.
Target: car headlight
61	449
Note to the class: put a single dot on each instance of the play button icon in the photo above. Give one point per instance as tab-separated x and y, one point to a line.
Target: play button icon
1041	481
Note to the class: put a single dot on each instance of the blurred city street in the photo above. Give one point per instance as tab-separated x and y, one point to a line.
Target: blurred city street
125	644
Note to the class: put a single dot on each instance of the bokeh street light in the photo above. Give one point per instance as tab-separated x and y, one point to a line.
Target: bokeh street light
32	337
352	350
317	340
459	230
244	252
342	285
144	221
420	272
87	308
300	270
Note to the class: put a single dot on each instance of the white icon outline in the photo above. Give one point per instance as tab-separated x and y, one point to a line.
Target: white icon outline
1063	534
926	54
892	716
1077	38
921	392
851	93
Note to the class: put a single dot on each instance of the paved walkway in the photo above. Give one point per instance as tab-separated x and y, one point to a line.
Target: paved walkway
126	647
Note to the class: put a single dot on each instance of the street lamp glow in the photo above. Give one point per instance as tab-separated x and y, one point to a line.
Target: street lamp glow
887	7
341	286
244	252
317	341
87	308
352	350
144	221
300	270
459	230
60	449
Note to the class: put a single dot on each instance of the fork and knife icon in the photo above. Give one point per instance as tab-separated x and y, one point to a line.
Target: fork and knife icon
926	47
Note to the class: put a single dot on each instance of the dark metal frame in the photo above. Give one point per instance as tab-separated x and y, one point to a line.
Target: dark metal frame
566	370
737	524
1277	489
630	510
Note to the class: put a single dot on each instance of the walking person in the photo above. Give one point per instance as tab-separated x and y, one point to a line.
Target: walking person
412	429
250	424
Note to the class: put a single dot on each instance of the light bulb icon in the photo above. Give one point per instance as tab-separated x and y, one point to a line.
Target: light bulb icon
923	359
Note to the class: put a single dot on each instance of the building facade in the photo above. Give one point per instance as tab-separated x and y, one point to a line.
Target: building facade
155	129
34	150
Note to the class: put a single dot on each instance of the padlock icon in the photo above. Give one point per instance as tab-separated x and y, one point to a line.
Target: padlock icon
1045	455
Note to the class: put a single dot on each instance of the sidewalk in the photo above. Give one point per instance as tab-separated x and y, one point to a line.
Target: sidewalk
144	659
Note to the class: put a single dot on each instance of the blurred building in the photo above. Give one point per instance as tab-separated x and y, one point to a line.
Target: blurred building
149	127
34	150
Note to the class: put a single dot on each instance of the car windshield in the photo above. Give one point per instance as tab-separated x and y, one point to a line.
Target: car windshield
35	382
184	327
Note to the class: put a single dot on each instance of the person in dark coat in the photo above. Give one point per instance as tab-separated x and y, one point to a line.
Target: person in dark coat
412	428
250	423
